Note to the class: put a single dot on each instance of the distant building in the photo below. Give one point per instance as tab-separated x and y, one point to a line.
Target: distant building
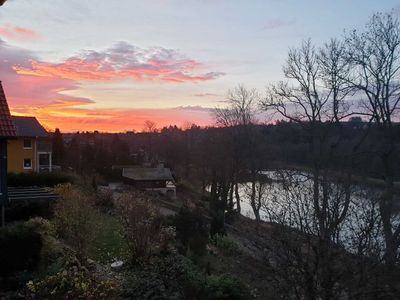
31	150
158	179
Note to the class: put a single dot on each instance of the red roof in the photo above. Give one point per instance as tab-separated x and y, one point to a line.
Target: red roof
7	128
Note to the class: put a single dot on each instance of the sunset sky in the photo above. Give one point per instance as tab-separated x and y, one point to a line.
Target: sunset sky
111	65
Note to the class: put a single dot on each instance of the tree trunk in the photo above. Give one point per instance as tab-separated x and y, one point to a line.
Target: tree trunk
237	196
386	208
230	200
253	203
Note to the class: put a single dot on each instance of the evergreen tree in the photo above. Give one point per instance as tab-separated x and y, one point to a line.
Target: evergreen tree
58	148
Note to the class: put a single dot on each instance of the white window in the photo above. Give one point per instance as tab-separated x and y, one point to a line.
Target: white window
27	163
27	144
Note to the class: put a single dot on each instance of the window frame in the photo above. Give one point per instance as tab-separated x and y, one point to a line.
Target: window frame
31	143
31	164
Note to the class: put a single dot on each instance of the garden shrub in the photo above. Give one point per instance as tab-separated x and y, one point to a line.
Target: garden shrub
52	248
226	245
20	247
75	219
72	282
104	199
142	225
191	231
174	276
37	179
163	277
225	287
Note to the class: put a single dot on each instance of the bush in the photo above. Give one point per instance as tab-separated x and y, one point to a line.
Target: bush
104	199
191	231
225	287
75	219
174	276
164	277
73	282
226	245
37	179
52	249
20	247
142	225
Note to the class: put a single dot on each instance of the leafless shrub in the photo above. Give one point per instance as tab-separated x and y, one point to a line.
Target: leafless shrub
142	225
75	219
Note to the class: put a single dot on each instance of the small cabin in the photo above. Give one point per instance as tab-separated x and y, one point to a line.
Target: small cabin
158	179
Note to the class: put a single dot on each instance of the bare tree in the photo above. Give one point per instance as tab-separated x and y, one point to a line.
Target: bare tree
239	117
293	248
257	193
316	96
241	109
318	90
375	60
313	97
150	127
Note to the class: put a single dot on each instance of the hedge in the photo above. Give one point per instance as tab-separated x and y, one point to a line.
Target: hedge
20	247
37	179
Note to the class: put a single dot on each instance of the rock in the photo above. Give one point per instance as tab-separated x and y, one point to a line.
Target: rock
116	265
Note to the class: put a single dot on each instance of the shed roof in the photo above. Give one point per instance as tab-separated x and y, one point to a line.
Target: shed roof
7	128
147	174
28	127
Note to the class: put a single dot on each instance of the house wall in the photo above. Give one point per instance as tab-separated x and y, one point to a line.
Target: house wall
145	184
17	154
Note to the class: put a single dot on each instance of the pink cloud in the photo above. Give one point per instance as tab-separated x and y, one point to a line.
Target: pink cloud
123	60
16	33
25	90
43	97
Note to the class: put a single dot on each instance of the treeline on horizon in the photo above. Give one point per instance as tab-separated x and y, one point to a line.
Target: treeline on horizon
185	150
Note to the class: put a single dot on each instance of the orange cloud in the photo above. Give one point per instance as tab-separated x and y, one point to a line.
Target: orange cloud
16	33
123	60
43	94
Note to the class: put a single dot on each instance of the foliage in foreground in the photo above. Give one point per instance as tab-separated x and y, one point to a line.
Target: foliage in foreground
75	219
191	232
225	244
174	276
142	226
225	287
73	281
20	247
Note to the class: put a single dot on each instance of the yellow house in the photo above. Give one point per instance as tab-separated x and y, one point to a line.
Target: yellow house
31	150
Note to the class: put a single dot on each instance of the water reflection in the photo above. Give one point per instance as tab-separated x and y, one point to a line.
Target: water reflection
286	197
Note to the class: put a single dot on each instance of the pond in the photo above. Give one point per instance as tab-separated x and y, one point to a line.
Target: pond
287	198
